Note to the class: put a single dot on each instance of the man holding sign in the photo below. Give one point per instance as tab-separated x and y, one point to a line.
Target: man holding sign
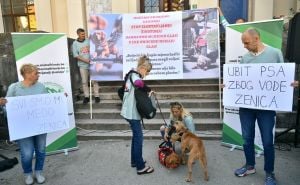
258	53
37	143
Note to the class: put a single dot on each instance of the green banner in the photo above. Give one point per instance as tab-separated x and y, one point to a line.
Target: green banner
49	52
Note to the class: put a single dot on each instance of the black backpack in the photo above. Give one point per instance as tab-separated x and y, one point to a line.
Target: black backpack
7	163
122	88
145	105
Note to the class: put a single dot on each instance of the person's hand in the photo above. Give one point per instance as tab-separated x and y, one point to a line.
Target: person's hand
3	101
150	93
295	84
166	137
222	85
220	11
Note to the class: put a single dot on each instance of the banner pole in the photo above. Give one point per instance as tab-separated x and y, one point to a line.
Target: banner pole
91	105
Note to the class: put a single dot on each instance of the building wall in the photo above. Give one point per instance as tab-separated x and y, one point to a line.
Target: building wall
262	10
283	7
76	16
204	3
127	6
66	16
1	21
43	15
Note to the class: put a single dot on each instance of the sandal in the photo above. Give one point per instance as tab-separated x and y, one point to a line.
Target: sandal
146	170
134	165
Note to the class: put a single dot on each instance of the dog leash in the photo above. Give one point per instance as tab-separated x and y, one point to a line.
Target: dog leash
162	115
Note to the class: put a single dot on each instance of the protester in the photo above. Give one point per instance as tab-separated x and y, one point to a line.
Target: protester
34	144
225	23
258	53
130	113
81	48
178	113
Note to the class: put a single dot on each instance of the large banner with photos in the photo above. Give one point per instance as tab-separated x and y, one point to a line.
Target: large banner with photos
49	52
271	35
180	45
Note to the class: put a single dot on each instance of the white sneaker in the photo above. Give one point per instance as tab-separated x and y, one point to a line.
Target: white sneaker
39	177
28	179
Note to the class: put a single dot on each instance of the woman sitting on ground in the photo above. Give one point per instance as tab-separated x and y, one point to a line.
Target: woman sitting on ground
178	113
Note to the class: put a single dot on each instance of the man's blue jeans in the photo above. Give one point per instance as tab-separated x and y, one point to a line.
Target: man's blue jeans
29	145
137	144
266	123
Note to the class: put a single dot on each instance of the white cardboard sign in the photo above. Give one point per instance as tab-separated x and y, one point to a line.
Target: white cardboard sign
36	114
260	86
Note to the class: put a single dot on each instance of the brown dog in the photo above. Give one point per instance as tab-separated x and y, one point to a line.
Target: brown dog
194	145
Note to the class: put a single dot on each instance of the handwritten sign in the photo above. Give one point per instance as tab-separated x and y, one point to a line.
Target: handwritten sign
259	86
36	114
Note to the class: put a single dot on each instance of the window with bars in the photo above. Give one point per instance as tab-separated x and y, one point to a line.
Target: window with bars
18	15
148	6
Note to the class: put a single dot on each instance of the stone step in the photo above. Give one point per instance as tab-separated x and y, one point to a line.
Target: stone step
169	95
165	82
84	135
187	103
169	88
114	113
153	124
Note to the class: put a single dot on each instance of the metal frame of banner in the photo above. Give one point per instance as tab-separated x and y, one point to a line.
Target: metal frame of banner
91	103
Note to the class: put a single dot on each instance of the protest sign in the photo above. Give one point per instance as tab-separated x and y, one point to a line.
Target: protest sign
36	114
259	86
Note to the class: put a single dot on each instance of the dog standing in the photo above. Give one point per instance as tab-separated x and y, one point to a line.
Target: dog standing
194	145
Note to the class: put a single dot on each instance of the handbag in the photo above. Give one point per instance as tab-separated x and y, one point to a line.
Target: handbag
165	149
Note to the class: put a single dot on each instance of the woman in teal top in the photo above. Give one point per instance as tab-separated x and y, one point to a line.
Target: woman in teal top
131	115
34	144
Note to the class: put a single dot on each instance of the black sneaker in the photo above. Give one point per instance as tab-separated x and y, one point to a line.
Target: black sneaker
86	100
97	99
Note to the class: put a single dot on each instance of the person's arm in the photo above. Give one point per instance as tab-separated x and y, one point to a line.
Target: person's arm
141	84
76	54
83	59
3	101
223	20
188	121
11	92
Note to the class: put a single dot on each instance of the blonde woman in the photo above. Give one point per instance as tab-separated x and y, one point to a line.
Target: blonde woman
178	113
34	144
130	113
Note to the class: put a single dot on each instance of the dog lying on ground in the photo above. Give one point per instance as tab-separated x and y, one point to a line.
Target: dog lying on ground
192	144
